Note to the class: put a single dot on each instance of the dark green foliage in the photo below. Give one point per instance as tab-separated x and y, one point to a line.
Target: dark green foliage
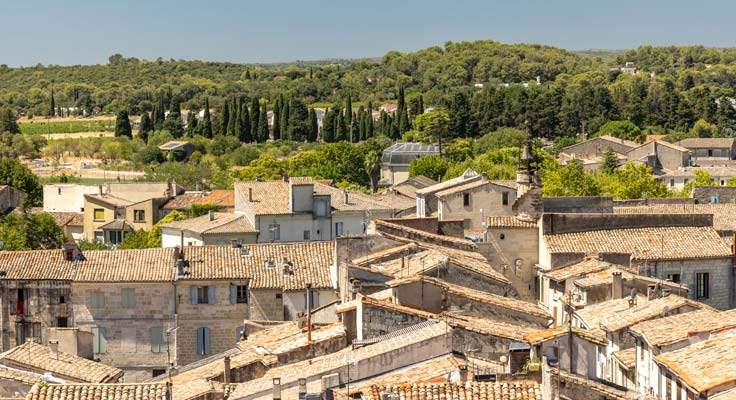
263	125
313	126
459	116
206	119
610	161
122	125
199	210
277	117
8	121
284	120
145	127
30	232
298	125
225	112
432	167
52	107
328	126
255	117
244	124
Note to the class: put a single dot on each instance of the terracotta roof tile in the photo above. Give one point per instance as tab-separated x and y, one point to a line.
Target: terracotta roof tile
509	222
668	243
674	328
705	365
38	357
515	390
222	223
35	265
133	391
724	214
219	197
182	201
627	357
20	376
697	143
138	265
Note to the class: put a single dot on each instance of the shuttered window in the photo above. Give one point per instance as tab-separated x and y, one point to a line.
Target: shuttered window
203	341
238	294
127	297
99	343
158	340
96	300
202	294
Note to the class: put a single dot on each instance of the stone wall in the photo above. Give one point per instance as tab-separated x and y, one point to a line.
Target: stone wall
483	309
570	223
653	201
596	146
266	305
460	276
453	228
378	321
507	245
584	205
703	194
487	197
10	198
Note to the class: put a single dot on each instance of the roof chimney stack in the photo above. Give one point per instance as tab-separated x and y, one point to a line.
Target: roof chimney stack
617	288
285	177
302	387
226	372
54	348
99	189
463	373
250	195
276	389
345	196
212	215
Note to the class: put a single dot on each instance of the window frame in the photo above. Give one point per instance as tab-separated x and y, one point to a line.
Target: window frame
274	232
702	285
99	341
241	294
204	344
466	199
94	214
158	332
136	214
128	300
97	300
307	235
505	198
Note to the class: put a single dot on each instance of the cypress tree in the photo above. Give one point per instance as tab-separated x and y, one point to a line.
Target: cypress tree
225	116
328	126
255	116
191	124
263	125
313	127
246	124
145	128
161	112
277	117
285	120
173	120
122	125
298	120
361	123
206	120
154	117
340	126
369	133
234	118
349	111
421	105
52	111
237	124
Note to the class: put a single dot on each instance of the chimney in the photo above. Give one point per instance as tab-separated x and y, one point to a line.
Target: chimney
54	349
345	196
463	373
99	189
226	372
484	177
212	215
302	387
617	288
250	195
308	287
285	177
276	389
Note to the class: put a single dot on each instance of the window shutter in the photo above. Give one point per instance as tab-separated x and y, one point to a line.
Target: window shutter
206	340
103	341
211	294
233	294
193	291
238	333
200	341
96	340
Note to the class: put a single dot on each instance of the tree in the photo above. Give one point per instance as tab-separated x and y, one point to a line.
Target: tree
255	117
632	181
225	116
145	127
313	127
433	125
459	116
620	129
206	120
459	151
172	122
245	125
610	161
372	166
703	129
702	178
348	111
401	113
52	108
8	121
277	117
122	125
432	167
154	235
501	138
263	125
30	232
298	125
192	123
134	240
567	180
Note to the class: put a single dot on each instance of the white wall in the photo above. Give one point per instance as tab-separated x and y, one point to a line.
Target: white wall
172	238
67	197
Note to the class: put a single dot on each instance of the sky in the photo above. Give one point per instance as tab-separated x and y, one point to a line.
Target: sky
85	32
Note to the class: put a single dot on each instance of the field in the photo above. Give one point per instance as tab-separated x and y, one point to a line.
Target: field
72	126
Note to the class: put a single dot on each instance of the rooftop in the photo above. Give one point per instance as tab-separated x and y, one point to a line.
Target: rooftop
660	243
221	223
174	145
626	357
703	366
404	153
38	357
182	201
508	222
713	143
584	267
475	184
675	328
467	176
20	376
410	186
132	391
613	315
218	197
516	390
724	214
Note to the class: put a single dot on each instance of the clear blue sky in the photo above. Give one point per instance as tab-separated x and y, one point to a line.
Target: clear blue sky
86	32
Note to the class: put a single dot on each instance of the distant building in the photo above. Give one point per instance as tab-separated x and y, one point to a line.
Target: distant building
214	228
177	150
710	149
396	159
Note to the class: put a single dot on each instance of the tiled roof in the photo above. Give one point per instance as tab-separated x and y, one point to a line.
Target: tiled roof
38	357
605	277
109	200
584	267
132	391
724	214
136	265
668	243
467	176
705	365
194	388
509	222
516	390
320	365
356	201
727	395
596	389
395	200
20	376
221	223
616	314
697	143
387	254
63	218
543	335
182	201
35	265
727	170
218	197
475	184
674	328
387	227
626	357
116	225
484	297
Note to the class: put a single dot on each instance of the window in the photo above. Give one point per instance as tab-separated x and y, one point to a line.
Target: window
321	206
307	235
203	294
99	214
466	199
127	297
158	340
62	322
97	300
59	191
238	294
702	287
674	278
116	237
505	198
157	372
36	326
338	228
314	300
139	215
274	232
99	236
99	343
203	341
238	333
672	183
713	199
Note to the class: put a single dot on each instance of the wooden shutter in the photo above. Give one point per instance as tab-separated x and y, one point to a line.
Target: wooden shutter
233	294
200	341
193	294
211	294
206	340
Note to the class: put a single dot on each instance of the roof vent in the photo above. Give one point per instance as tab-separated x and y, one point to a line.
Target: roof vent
270	263
246	251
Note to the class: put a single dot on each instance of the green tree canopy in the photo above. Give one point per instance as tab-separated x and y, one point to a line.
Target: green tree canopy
620	129
432	167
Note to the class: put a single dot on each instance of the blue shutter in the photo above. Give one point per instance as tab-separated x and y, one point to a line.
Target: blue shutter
206	335
200	341
193	292
211	294
233	294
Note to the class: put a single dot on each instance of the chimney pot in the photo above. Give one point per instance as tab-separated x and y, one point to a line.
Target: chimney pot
212	215
302	386
463	373
346	196
285	177
617	288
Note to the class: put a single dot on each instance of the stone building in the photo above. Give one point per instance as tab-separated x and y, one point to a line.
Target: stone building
592	151
427	202
660	156
713	194
10	199
706	150
214	228
472	201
